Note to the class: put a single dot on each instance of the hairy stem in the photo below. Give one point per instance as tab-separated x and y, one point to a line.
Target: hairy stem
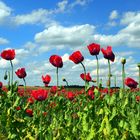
97	71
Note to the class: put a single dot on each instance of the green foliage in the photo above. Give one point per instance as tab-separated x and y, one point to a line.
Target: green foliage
114	117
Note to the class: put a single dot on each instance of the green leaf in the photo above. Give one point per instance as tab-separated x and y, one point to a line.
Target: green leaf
91	134
114	113
84	123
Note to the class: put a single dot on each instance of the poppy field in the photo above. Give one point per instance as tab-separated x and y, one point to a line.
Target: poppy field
59	113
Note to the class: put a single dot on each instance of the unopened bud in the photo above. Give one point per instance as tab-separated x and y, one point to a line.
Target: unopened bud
5	76
63	79
123	61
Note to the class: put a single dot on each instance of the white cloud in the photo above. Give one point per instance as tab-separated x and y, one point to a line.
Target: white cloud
59	37
65	57
61	6
130	17
3	41
5	11
79	2
36	16
112	23
113	15
4	64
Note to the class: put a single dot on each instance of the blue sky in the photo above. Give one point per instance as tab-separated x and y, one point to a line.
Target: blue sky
38	29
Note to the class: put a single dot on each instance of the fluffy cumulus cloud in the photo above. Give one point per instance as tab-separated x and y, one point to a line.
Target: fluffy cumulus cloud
130	17
3	41
37	16
4	64
5	11
113	15
60	36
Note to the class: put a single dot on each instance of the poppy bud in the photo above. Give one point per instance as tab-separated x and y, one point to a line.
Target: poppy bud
123	61
5	76
63	79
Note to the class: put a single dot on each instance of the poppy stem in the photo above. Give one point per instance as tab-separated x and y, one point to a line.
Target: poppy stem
84	74
24	85
67	83
97	71
115	82
109	76
123	76
139	78
12	76
9	80
57	76
41	121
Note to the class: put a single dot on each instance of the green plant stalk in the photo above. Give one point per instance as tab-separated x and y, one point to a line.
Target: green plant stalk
109	76
41	121
9	80
84	74
97	71
57	76
24	85
115	83
67	83
139	77
123	77
12	76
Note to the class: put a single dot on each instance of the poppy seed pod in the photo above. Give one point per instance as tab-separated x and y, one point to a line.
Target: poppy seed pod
123	61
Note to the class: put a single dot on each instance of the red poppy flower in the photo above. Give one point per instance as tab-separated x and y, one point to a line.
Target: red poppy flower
46	80
91	94
39	94
18	108
94	49
70	95
86	77
108	54
21	73
131	82
29	112
1	84
76	57
56	61
54	89
138	98
8	54
30	100
45	114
